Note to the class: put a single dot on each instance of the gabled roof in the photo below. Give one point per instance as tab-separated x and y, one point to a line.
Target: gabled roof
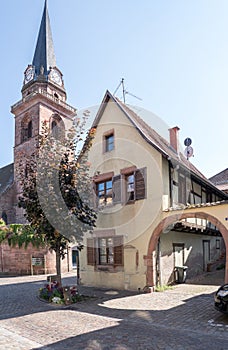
220	178
6	177
44	53
151	136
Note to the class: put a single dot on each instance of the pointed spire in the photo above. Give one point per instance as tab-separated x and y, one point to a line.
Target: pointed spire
44	53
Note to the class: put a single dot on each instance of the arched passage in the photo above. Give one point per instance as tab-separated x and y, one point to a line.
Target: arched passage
170	220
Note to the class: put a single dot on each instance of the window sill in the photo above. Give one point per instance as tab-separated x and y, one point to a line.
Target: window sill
105	268
131	202
106	152
108	268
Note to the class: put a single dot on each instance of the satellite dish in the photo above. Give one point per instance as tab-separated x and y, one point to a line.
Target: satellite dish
188	152
187	141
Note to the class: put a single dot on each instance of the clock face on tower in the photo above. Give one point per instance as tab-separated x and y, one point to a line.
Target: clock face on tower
29	74
55	76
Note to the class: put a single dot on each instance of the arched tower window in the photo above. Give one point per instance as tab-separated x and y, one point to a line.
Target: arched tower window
57	127
30	129
4	217
26	129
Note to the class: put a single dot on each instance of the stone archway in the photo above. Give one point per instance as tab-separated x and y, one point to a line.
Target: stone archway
171	219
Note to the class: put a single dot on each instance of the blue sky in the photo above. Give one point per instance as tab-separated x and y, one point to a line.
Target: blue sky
172	54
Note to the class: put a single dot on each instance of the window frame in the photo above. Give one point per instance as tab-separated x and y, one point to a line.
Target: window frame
93	251
108	253
106	145
98	179
26	129
140	183
106	194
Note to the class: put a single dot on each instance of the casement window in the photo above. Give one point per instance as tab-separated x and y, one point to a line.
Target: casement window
134	184
105	251
104	192
108	141
130	182
126	187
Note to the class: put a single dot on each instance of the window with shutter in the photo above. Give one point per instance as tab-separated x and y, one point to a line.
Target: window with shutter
106	256
135	184
116	188
91	251
104	193
118	250
140	183
109	251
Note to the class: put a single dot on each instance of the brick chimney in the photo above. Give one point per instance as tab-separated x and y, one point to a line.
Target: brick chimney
174	138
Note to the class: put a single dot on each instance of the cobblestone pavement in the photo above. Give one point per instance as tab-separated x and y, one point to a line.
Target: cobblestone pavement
181	318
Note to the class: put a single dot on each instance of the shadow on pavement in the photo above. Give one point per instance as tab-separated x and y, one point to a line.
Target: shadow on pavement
113	319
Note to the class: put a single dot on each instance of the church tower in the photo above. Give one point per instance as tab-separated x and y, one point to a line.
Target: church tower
43	99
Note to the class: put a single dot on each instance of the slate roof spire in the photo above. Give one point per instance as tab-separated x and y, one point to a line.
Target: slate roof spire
44	53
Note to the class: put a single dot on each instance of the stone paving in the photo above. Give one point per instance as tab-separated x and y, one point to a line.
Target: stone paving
181	318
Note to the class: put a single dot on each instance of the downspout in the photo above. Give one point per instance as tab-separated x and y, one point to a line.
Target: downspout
158	263
2	261
170	185
78	269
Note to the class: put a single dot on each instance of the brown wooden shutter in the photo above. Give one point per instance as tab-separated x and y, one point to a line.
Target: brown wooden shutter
140	183
94	196
118	250
116	189
91	251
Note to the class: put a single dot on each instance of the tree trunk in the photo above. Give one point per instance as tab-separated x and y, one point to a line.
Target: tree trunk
58	263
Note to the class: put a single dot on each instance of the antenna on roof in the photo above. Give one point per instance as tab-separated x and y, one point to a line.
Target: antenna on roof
124	91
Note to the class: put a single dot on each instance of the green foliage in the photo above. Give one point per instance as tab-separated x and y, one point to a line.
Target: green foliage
53	290
21	235
163	288
4	231
220	267
56	190
2	222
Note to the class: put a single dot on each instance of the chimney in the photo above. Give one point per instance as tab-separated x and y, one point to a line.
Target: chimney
174	138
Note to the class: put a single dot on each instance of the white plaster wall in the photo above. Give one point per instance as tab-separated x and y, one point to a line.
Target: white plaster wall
193	253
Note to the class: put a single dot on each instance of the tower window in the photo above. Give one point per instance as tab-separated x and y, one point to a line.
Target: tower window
53	125
26	130
30	129
57	128
4	217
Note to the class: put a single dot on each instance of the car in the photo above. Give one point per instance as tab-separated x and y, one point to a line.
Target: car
221	299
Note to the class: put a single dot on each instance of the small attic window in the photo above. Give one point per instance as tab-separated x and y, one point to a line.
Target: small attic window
56	95
108	141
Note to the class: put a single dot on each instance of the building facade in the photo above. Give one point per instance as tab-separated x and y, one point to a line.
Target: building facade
220	180
137	174
43	100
